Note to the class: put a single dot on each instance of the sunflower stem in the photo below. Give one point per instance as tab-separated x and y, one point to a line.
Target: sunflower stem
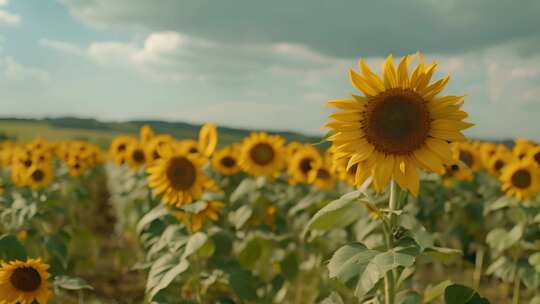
517	289
389	279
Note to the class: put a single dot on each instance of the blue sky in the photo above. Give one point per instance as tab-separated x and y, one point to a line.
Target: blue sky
260	64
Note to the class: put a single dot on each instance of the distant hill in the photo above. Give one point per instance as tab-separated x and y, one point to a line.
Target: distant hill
101	132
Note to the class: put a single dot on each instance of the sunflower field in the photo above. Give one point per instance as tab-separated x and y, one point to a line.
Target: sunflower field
394	206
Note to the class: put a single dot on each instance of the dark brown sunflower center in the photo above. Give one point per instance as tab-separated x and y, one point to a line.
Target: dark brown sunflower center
228	162
77	166
38	175
138	156
121	147
193	150
305	165
521	155
521	179
155	155
262	154
536	157
27	163
397	121
25	279
352	170
181	173
466	157
498	165
454	168
323	174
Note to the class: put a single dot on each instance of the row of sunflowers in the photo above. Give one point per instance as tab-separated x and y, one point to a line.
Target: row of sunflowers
399	208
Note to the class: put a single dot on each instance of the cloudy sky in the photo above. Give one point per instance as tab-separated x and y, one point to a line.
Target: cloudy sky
260	64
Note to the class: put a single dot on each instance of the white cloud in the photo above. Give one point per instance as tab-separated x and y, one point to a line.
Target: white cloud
14	71
8	18
173	56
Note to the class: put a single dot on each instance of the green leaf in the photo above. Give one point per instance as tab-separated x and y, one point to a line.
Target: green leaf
336	214
243	283
443	255
500	240
402	256
247	186
159	211
70	283
534	260
169	276
408	297
333	298
240	216
503	268
290	266
11	248
195	243
250	254
458	294
433	292
350	261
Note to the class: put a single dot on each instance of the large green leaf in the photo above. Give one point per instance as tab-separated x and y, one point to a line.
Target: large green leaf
11	248
337	214
247	186
433	292
169	276
195	242
350	261
408	297
240	216
70	283
333	298
159	211
500	239
459	294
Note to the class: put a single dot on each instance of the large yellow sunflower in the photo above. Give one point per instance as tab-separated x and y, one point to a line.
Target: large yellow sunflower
225	160
399	124
24	282
178	177
520	179
262	154
303	161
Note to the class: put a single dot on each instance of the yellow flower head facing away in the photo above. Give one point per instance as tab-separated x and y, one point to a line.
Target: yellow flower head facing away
24	282
520	179
400	124
208	138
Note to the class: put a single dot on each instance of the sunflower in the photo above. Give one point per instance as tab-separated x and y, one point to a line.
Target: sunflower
487	150
467	154
292	148
399	124
498	161
521	147
302	162
178	177
119	147
321	177
225	160
24	282
39	175
196	220
146	133
188	146
262	154
156	144
208	138
136	156
458	171
534	155
520	179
